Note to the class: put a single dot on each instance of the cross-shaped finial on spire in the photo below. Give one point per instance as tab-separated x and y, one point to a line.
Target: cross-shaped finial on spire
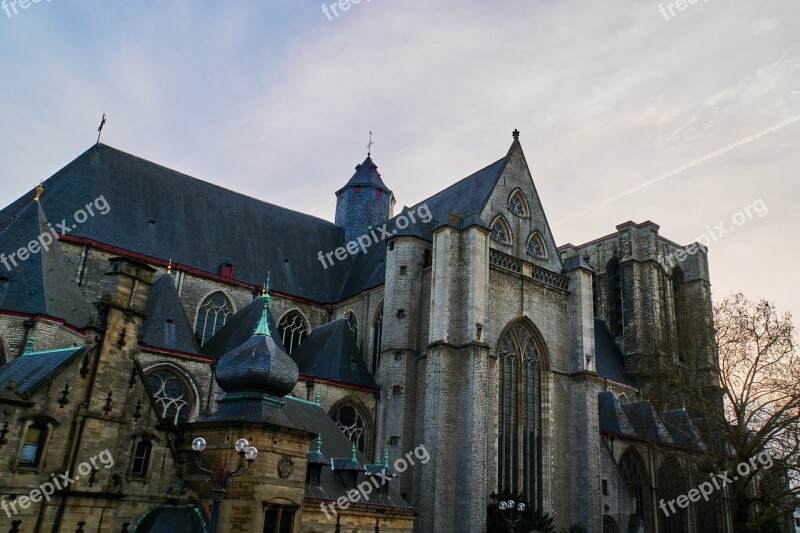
39	189
515	133
100	129
369	145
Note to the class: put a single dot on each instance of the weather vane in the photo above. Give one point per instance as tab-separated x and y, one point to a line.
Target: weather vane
100	129
369	145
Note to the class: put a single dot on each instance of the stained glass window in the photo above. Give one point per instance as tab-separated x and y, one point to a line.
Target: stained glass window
214	312
536	246
516	204
171	396
352	424
292	329
500	231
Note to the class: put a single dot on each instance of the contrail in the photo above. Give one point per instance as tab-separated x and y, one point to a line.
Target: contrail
683	168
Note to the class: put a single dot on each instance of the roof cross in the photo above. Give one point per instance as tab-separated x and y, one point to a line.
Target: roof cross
100	129
369	145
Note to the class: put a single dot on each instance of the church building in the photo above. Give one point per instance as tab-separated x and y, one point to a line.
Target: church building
441	353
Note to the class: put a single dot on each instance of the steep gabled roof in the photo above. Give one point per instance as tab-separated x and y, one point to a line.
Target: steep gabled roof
331	352
167	325
164	214
43	283
31	370
610	360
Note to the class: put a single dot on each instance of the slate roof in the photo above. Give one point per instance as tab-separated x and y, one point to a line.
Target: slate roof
367	174
612	418
610	361
167	325
331	352
239	329
335	445
164	214
681	428
43	283
32	370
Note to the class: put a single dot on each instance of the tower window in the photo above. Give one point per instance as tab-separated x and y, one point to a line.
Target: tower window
614	275
397	390
394	440
401	313
358	189
33	445
141	457
378	193
403	271
377	335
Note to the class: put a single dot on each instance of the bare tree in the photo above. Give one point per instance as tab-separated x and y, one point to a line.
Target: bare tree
751	417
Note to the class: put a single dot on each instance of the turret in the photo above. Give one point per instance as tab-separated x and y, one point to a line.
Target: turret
365	202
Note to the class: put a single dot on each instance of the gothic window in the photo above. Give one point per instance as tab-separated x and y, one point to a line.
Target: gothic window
517	204
632	470
141	457
33	445
500	231
171	396
520	414
214	312
3	356
536	246
292	329
679	308
377	337
352	321
670	481
353	425
616	308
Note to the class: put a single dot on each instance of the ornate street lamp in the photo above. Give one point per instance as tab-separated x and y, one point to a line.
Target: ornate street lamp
220	479
507	511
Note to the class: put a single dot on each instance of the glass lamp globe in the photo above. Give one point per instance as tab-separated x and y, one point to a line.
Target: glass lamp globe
511	504
502	506
520	507
250	453
199	444
241	445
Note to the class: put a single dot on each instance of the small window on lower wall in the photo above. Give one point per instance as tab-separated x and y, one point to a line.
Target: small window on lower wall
279	519
33	445
394	440
141	457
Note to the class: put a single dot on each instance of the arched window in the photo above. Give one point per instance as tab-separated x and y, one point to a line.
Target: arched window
633	473
292	329
3	356
616	306
171	394
520	414
670	485
377	337
609	526
536	246
213	313
623	398
501	231
353	424
679	308
352	321
517	203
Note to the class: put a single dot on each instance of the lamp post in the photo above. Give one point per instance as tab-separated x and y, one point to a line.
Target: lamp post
512	518
220	479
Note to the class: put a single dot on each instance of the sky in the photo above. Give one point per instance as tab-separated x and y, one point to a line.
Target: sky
632	110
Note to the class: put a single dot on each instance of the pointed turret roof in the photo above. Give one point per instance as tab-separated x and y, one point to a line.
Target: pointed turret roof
239	328
167	325
367	174
43	283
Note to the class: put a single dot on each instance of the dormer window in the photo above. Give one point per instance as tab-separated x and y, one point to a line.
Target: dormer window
536	246
517	204
500	231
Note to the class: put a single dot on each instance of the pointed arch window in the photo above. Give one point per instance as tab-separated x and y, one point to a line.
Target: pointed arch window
501	231
172	397
214	312
632	469
377	337
679	310
292	329
536	246
352	322
517	204
520	414
616	303
353	424
670	481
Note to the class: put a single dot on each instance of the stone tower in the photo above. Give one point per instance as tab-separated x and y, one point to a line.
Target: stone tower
365	202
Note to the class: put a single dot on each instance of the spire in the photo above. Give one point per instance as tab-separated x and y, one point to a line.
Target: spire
319	444
353	458
263	324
